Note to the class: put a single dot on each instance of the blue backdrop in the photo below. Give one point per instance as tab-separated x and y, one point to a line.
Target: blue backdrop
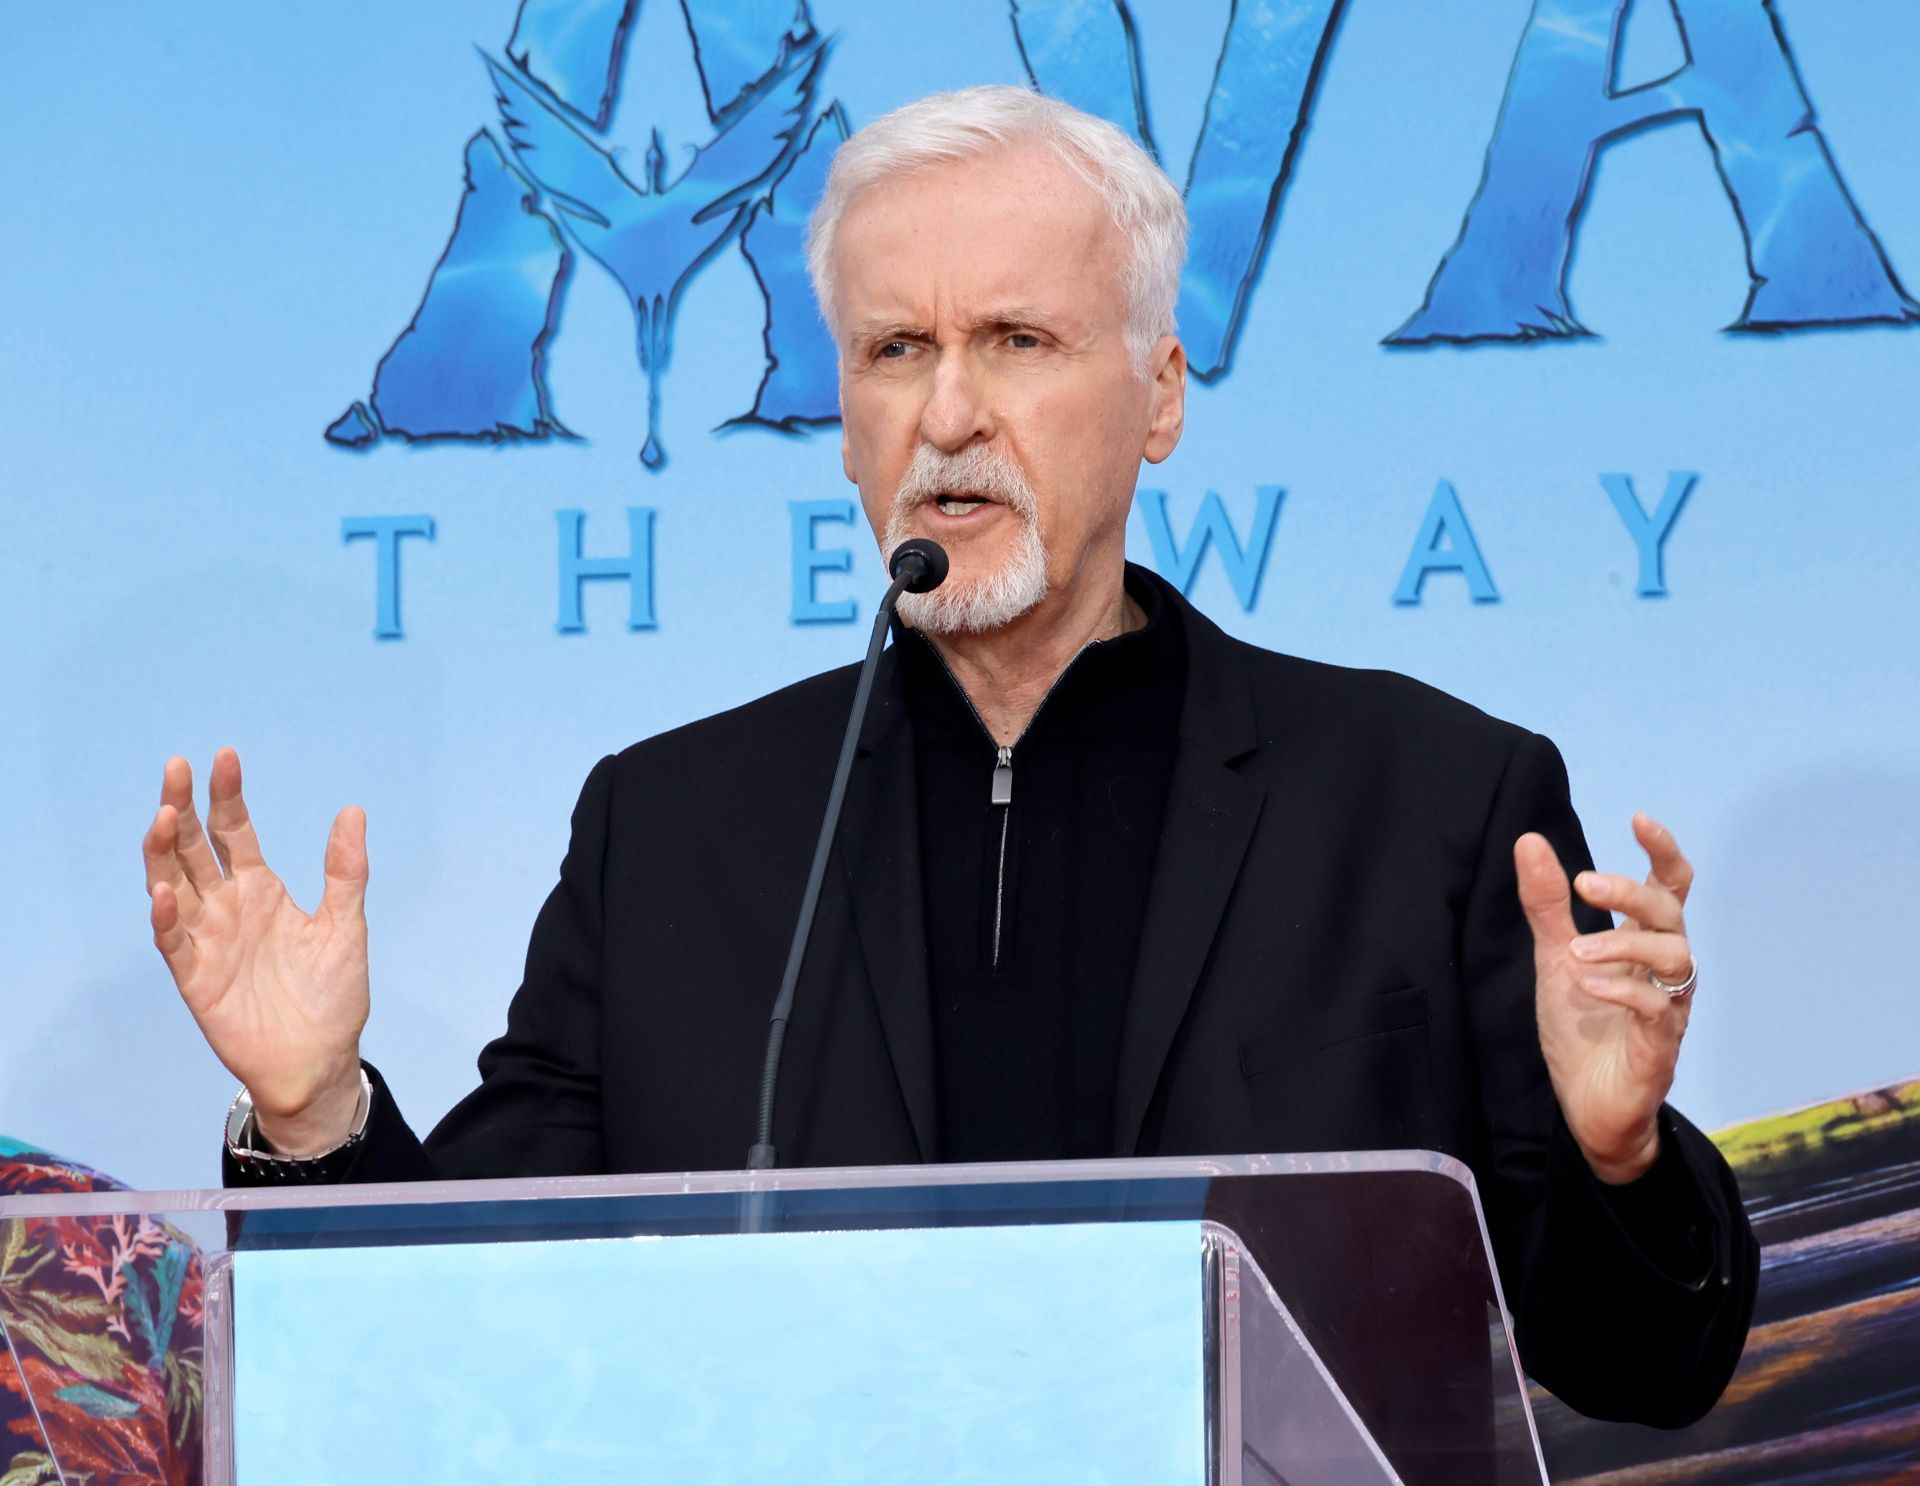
1493	432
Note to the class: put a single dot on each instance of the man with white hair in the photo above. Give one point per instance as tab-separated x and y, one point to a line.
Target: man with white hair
1108	882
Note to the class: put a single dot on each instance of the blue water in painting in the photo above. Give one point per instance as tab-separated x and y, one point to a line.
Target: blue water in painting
1003	1355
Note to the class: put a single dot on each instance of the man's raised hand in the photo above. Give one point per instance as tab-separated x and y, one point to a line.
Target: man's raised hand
280	995
1611	1038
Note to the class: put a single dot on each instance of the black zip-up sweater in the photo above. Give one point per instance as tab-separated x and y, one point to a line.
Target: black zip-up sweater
1035	862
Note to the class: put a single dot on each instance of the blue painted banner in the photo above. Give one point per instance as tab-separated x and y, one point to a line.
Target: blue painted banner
429	400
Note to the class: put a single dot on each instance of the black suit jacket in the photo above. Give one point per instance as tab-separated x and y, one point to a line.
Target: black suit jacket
1333	958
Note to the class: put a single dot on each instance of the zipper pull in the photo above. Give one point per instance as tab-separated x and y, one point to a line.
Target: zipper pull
1003	777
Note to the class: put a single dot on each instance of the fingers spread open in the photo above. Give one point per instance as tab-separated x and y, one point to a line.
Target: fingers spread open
170	935
196	856
187	843
346	863
1670	867
158	850
1648	904
227	819
1544	895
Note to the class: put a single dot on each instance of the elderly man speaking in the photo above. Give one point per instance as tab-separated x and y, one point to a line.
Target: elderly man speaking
1108	882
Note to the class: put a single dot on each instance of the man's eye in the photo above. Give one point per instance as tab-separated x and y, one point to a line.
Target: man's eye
1023	340
893	350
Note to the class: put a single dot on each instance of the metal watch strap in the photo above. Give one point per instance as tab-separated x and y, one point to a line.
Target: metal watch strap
243	1143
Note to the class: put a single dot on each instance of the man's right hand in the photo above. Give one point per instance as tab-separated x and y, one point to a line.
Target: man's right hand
281	995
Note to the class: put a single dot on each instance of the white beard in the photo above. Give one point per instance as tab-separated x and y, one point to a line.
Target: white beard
963	606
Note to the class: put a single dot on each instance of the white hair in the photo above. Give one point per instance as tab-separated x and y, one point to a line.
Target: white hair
1145	205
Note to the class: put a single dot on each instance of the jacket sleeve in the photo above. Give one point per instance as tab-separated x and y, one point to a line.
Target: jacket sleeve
1629	1303
537	1109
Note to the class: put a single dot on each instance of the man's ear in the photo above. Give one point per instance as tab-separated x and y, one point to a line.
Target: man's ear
846	451
1168	368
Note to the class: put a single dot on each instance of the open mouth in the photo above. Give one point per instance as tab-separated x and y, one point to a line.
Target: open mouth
960	505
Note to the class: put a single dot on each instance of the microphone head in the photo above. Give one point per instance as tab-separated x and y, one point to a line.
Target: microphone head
921	561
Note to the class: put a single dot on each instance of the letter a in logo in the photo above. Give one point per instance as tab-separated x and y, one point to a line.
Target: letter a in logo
1813	261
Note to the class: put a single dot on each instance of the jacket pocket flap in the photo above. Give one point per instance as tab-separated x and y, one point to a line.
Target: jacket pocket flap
1395	1011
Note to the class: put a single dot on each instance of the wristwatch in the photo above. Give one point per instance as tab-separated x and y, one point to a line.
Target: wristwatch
255	1157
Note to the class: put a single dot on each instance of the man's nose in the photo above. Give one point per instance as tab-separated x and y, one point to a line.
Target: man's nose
956	411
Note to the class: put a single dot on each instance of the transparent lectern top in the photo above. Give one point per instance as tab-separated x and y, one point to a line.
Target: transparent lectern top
1318	1320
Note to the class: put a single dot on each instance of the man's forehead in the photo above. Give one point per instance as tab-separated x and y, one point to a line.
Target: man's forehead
1012	233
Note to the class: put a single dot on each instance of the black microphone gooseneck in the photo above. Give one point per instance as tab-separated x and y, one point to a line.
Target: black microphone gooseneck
917	566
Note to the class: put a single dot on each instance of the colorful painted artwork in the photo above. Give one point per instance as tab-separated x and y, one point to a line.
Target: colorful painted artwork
100	1377
1829	1389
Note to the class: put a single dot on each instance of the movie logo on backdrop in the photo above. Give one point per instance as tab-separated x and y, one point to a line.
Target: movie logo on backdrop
544	189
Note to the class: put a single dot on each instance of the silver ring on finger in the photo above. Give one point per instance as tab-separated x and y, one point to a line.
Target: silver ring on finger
1678	990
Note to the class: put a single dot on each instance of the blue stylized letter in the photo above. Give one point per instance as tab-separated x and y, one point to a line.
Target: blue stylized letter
737	44
650	229
810	561
574	47
386	532
1245	563
1649	533
1086	52
1811	258
802	384
1445	545
636	567
472	363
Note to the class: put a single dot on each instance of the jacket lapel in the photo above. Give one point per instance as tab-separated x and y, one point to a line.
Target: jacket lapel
1211	812
879	849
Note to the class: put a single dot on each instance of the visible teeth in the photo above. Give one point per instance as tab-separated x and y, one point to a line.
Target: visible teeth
955	506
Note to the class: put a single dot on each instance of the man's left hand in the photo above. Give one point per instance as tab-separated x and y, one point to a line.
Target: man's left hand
1610	1036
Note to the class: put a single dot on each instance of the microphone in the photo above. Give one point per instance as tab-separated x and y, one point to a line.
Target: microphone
917	566
920	565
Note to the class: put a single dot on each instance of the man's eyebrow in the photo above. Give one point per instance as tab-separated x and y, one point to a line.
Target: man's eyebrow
1002	317
873	330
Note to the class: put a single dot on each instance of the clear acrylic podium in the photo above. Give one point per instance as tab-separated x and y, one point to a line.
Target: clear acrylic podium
1329	1320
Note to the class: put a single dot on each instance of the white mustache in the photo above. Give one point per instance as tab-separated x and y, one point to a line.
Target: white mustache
977	602
975	470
